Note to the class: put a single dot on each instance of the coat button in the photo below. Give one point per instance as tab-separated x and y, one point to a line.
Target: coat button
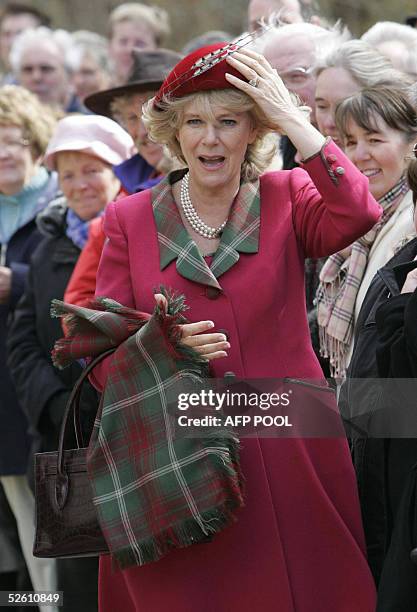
212	293
331	158
340	170
224	332
229	375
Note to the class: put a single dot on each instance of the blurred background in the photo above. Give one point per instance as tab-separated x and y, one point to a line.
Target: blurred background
198	16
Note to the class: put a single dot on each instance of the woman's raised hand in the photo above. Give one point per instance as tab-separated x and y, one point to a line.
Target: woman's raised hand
270	94
211	346
265	87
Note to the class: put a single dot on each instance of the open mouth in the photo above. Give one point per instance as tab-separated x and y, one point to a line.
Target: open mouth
371	172
211	162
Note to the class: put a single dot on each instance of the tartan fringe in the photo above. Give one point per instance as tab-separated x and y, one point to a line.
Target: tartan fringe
335	350
192	531
75	325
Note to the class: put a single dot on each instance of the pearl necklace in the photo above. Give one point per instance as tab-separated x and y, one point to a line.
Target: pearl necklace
191	215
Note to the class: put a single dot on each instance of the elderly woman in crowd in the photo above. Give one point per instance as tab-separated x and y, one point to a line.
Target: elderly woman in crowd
220	233
344	70
26	187
82	150
134	25
141	171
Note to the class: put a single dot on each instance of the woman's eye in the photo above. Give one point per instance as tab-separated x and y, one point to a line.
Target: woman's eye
321	107
350	143
229	122
193	121
375	140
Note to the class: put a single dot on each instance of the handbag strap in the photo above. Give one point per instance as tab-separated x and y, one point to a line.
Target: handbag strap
73	405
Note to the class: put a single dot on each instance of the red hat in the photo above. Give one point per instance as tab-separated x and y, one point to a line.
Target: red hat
201	70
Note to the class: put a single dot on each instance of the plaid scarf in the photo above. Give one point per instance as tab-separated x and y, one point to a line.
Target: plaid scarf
340	280
153	492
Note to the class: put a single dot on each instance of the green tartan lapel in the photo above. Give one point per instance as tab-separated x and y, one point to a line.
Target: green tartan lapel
241	234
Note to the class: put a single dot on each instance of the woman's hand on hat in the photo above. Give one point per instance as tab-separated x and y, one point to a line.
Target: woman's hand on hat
265	87
211	346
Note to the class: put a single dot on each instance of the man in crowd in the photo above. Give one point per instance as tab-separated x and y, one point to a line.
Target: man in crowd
134	25
15	18
292	50
124	104
38	58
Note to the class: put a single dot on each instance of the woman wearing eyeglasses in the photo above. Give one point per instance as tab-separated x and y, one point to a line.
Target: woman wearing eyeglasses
26	187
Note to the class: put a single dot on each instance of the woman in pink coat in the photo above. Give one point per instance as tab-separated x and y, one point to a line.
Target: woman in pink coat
234	244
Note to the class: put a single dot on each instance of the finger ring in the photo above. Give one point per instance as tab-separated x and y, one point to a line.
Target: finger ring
254	82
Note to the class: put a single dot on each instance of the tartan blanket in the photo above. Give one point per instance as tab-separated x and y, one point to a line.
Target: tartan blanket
154	492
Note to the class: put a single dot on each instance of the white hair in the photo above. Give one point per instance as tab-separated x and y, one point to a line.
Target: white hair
366	65
319	36
61	39
89	43
390	31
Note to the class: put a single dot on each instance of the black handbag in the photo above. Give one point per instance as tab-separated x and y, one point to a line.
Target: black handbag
66	518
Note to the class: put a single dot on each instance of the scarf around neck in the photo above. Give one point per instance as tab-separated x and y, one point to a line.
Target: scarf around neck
340	280
153	491
17	210
77	229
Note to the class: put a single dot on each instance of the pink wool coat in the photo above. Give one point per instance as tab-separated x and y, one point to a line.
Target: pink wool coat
297	545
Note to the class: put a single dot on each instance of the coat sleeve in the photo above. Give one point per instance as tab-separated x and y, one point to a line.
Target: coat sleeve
82	284
33	374
396	350
19	275
332	206
113	276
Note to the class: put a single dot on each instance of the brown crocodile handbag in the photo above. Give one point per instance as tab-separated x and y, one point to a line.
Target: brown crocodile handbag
66	518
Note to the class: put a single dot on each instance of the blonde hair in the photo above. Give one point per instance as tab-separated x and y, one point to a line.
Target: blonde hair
156	19
163	123
20	108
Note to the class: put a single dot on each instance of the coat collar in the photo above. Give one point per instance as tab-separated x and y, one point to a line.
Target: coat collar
241	234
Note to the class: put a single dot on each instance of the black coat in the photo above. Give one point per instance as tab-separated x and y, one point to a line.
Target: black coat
43	389
365	403
396	352
14	438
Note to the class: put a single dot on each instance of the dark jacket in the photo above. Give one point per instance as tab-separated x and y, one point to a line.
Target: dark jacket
14	439
397	362
363	404
135	174
42	389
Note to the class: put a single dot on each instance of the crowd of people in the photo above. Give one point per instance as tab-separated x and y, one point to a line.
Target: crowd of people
271	179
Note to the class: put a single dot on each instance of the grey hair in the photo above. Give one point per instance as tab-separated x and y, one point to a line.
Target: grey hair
91	43
390	31
318	35
367	66
61	39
